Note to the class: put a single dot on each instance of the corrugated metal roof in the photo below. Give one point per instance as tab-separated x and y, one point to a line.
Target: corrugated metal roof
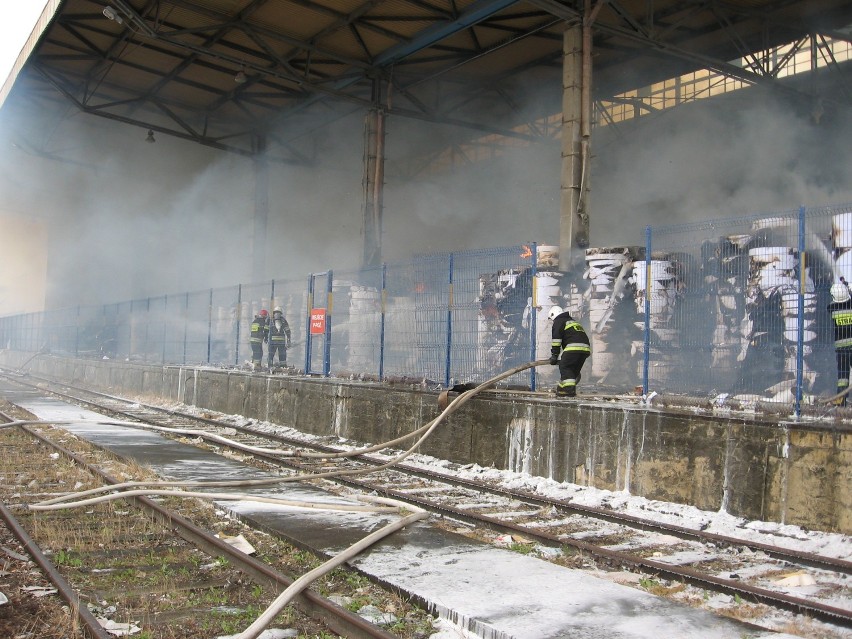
222	71
30	46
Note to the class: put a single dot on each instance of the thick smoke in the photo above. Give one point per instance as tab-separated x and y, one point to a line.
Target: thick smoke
749	153
127	219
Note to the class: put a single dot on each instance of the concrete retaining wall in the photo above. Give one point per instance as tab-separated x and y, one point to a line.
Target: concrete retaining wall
778	471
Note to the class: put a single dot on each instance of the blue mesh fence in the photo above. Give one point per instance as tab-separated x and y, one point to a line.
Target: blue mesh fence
356	338
734	306
427	338
291	296
196	327
491	313
224	322
738	307
403	355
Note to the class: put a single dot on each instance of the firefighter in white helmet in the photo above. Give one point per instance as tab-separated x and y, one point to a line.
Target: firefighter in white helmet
279	337
840	311
569	349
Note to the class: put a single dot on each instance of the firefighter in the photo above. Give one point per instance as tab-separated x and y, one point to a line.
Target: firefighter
840	311
279	337
569	348
259	335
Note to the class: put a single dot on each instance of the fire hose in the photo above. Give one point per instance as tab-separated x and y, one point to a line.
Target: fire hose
409	514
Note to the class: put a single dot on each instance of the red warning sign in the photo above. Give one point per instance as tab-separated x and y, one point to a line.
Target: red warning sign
318	321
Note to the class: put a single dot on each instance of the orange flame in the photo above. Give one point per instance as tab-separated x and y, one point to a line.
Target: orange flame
527	252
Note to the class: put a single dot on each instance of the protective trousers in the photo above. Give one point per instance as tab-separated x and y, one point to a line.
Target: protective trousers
570	364
281	349
257	353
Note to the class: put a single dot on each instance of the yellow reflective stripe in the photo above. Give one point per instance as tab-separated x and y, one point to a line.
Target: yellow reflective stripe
577	347
842	318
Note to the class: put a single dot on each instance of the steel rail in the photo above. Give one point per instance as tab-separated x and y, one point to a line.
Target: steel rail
795	604
337	618
65	590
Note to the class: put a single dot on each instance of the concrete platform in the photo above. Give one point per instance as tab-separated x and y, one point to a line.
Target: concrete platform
494	593
755	466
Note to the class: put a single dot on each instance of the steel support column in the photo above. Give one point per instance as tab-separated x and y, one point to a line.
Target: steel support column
373	182
573	223
261	209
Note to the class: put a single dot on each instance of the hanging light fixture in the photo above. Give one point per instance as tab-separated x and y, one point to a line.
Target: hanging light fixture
110	13
241	76
150	139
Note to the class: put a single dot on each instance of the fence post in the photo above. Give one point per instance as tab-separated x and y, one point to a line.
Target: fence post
309	339
185	324
239	321
130	331
210	326
800	337
647	335
326	358
77	333
147	325
449	325
165	325
533	313
39	331
382	322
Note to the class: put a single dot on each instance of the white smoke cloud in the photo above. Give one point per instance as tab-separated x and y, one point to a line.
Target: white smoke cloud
128	219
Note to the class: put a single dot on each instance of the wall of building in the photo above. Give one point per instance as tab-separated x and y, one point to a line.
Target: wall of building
796	473
23	244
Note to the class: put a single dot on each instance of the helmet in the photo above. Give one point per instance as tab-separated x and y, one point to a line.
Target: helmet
554	311
839	293
278	309
263	313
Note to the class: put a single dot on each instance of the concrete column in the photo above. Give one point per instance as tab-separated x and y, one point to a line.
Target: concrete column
261	209
576	126
374	167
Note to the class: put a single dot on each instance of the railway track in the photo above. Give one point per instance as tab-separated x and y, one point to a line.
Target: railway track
766	573
122	566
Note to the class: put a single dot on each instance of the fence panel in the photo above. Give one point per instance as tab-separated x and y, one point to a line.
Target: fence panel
224	325
61	330
725	305
356	334
416	318
196	328
292	297
491	313
734	306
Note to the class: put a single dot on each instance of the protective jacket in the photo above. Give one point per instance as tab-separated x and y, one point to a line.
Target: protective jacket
841	319
279	330
568	335
259	329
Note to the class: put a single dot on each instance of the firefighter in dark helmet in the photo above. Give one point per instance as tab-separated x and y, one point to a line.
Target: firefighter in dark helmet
259	335
279	337
840	311
569	348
